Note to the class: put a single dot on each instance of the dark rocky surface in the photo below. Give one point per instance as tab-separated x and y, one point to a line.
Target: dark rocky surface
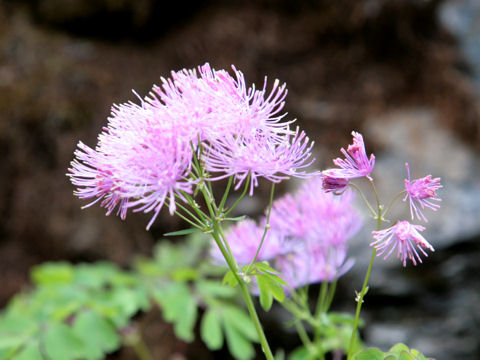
388	69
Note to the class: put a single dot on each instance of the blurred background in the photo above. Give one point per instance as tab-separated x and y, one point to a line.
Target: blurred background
405	73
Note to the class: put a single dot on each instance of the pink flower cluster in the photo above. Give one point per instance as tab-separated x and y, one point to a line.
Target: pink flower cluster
356	164
143	157
403	238
307	241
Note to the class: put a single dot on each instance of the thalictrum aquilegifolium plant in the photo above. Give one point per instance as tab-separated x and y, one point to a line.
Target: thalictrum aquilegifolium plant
200	129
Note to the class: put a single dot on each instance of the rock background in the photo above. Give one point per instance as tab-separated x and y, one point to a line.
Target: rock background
404	73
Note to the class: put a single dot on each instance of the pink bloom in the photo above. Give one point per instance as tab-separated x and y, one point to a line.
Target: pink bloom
311	263
421	192
318	226
356	163
213	103
259	156
93	175
244	239
330	183
132	167
405	239
312	213
307	239
143	157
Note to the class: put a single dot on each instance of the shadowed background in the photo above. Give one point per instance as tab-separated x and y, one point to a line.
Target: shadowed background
404	73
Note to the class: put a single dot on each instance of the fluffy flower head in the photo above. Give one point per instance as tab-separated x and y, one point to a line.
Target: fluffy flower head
310	264
405	239
144	155
259	156
244	238
421	192
356	163
139	170
319	225
312	213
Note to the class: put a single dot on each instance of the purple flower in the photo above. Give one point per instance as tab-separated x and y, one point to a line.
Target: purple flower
259	156
244	238
312	213
311	263
421	192
319	226
405	239
330	183
356	163
143	156
213	104
132	169
93	175
307	239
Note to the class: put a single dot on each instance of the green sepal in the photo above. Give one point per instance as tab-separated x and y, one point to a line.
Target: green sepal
181	232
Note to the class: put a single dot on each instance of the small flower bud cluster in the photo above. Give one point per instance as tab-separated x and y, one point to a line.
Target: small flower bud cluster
403	238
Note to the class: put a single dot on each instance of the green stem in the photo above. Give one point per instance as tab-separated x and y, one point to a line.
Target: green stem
225	194
302	333
142	351
246	295
189	213
267	226
247	182
188	221
256	321
392	202
361	295
135	340
330	295
320	309
359	300
321	298
193	205
232	265
364	199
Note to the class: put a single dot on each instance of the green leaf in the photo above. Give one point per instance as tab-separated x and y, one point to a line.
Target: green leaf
186	322
214	289
270	288
238	218
29	352
369	354
265	267
11	341
179	307
62	344
241	321
406	356
300	353
397	349
275	278
97	332
238	345
341	318
184	274
266	298
230	279
211	330
181	232
53	273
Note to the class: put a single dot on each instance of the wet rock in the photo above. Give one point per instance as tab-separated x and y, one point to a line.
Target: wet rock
435	306
414	136
462	17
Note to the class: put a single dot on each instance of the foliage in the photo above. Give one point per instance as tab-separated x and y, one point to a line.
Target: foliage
85	310
397	352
